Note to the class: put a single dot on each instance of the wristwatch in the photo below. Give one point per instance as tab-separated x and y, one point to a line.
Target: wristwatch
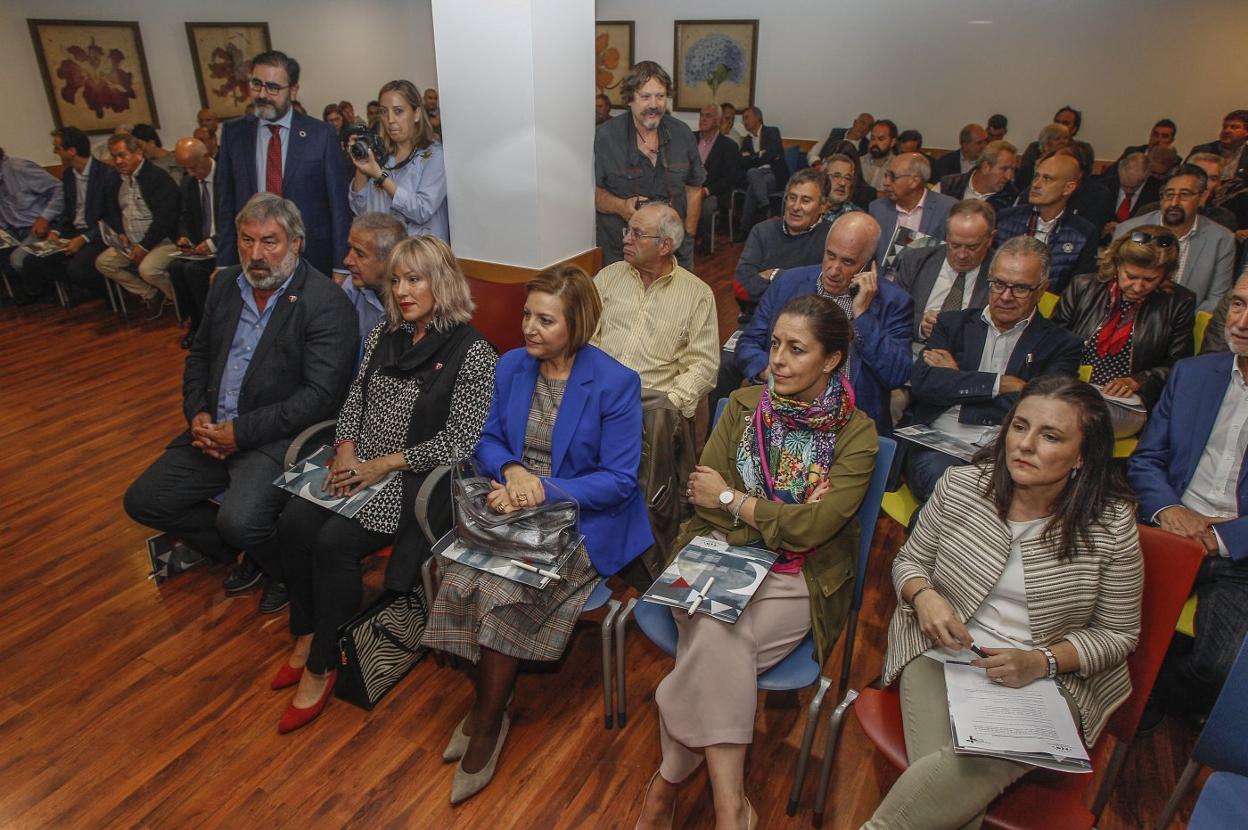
726	498
381	180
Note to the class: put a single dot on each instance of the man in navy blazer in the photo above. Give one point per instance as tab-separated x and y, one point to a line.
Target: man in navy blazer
977	360
273	356
905	183
79	221
310	172
762	165
1188	471
881	313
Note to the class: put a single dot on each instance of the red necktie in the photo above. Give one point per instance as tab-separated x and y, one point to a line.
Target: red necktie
1124	209
273	162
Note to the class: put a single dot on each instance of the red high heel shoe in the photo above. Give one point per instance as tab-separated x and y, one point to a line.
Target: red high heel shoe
286	677
294	717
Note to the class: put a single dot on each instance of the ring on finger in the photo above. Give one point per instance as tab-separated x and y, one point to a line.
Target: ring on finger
999	681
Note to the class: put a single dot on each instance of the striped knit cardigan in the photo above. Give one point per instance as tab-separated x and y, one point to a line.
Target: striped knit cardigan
960	545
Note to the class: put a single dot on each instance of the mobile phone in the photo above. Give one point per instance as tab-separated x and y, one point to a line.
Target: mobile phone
853	290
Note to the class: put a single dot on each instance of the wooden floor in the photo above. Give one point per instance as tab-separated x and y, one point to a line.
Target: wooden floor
127	705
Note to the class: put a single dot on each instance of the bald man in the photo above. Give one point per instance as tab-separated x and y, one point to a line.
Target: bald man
882	314
197	232
1071	239
719	157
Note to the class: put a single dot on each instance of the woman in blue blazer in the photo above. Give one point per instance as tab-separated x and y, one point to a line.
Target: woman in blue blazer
565	415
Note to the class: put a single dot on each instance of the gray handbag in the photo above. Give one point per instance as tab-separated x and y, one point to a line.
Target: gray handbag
539	534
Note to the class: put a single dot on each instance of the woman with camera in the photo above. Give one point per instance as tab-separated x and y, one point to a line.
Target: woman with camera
402	172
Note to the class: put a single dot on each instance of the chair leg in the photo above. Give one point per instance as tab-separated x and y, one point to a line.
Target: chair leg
813	713
714	222
835	721
1106	787
608	623
847	663
621	690
1180	790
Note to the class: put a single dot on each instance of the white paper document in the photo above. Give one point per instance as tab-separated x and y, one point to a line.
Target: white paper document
1031	725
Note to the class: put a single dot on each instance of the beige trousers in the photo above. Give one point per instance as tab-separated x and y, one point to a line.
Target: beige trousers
940	790
711	694
152	274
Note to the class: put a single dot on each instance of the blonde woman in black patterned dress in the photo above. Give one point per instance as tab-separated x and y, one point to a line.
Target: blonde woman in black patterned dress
564	414
419	400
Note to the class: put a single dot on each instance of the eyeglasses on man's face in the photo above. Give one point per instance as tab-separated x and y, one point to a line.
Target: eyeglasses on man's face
633	233
267	86
890	176
1017	290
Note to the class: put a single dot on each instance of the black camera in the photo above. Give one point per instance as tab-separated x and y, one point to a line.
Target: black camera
360	139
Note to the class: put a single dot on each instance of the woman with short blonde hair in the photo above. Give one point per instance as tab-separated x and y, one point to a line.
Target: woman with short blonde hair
433	258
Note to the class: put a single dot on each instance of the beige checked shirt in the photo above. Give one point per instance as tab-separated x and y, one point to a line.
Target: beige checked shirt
668	334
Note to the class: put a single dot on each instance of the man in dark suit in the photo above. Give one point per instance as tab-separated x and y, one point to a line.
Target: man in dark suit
1161	135
952	276
991	180
907	202
762	166
977	361
285	152
858	134
84	184
197	232
1188	471
719	157
879	358
274	355
1230	145
971	142
141	204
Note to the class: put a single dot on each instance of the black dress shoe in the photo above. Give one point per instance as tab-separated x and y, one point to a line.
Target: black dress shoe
274	598
242	576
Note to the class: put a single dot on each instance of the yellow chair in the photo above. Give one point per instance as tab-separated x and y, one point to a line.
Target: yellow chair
900	505
1187	618
1047	303
1198	331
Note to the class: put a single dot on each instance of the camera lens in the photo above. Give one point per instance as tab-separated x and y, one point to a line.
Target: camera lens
358	150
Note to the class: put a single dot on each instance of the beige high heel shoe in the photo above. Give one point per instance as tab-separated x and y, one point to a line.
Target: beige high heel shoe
467	784
646	797
458	744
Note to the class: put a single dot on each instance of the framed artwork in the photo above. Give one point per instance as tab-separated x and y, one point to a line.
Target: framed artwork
715	63
95	73
221	54
613	49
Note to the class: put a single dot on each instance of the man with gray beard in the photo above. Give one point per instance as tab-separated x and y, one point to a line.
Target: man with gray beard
274	354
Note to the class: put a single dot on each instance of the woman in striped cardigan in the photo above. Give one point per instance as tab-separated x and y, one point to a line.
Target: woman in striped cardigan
1034	557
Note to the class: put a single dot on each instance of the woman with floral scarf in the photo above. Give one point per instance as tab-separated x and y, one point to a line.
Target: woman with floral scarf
785	468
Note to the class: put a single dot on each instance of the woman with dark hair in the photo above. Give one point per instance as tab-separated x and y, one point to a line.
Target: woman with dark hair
1134	320
786	468
411	181
1031	554
566	415
419	401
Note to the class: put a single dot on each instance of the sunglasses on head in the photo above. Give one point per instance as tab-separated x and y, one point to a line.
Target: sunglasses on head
1163	240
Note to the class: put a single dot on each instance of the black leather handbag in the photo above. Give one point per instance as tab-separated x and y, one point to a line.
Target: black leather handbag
379	646
540	534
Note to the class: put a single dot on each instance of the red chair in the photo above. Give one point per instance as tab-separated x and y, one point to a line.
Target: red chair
1044	798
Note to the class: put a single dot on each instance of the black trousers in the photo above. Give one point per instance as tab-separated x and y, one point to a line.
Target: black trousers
190	286
38	273
173	495
321	554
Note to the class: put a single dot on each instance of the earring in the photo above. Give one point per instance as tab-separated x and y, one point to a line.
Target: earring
1074	471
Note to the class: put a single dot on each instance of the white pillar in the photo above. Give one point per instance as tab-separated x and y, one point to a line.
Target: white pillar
516	91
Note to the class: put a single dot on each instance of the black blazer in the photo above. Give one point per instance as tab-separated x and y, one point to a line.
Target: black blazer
836	137
955	185
917	270
100	178
1094	203
1149	194
1215	147
1043	349
947	165
161	194
191	217
1162	335
721	168
299	372
771	154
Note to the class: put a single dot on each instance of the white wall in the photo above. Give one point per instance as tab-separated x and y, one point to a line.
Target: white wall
346	50
1124	63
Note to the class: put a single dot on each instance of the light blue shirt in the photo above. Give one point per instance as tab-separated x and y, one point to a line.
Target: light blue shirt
262	144
28	192
251	323
369	309
419	201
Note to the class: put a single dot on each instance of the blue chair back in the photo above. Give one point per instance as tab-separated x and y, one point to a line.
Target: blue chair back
1224	796
869	512
1223	743
794	159
719	410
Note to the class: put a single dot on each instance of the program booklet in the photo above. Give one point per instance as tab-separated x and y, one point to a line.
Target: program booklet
936	440
904	238
306	477
537	575
733	573
8	240
113	239
1031	725
46	247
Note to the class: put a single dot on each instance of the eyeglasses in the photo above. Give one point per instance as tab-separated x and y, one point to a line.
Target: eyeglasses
633	233
841	177
268	86
889	175
1017	290
1163	240
1185	195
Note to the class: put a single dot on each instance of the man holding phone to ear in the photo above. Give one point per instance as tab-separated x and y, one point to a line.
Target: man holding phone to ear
882	315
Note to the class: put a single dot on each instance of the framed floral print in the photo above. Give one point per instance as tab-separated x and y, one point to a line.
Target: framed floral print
715	63
221	54
613	56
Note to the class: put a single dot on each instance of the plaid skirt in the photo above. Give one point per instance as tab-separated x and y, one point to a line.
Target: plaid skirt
475	609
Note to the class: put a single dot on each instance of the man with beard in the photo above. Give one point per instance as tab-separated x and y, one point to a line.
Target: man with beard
842	172
1161	135
1206	249
879	153
274	355
284	152
992	179
602	110
645	154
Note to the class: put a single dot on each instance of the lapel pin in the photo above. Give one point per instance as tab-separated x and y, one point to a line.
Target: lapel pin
303	134
1068	248
437	367
291	297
